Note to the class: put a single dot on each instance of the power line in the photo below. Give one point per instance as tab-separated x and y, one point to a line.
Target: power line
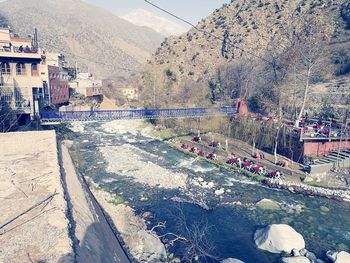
204	31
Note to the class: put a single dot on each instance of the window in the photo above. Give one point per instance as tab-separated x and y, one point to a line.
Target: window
20	69
35	71
5	68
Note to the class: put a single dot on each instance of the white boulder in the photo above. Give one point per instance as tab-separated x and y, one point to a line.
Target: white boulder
338	257
278	238
299	259
231	260
148	248
343	257
221	191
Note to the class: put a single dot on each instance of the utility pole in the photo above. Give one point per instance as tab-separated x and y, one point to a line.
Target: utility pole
154	95
76	69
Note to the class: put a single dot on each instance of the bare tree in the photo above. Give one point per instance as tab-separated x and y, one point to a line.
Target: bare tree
238	78
195	246
310	44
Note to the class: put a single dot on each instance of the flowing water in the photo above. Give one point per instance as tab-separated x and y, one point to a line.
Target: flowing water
230	219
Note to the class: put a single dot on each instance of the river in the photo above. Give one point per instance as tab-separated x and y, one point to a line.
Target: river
229	219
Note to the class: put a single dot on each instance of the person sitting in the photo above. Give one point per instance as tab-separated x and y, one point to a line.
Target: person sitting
257	156
184	146
232	160
283	163
211	156
201	153
193	150
197	139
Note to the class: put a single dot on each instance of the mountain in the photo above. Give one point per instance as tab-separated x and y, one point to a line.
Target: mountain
229	53
95	38
166	27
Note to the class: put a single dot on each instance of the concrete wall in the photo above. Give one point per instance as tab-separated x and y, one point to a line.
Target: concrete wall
95	240
321	168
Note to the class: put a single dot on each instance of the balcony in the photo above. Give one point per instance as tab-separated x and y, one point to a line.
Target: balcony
19	52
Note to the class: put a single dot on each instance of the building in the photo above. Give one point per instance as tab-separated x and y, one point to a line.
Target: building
87	85
23	74
59	88
58	79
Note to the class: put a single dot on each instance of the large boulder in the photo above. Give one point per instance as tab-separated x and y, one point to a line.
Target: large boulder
148	248
338	257
278	238
267	204
343	257
299	259
231	260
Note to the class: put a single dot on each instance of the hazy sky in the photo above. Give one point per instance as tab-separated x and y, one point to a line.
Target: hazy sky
192	10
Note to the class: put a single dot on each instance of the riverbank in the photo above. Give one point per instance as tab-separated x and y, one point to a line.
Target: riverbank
289	182
143	245
92	234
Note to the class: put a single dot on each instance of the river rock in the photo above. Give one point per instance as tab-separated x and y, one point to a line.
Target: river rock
221	191
324	209
211	185
303	252
148	248
343	257
295	252
268	204
311	256
299	259
278	238
231	260
332	255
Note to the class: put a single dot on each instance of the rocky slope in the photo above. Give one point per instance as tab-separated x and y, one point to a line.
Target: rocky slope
241	31
95	38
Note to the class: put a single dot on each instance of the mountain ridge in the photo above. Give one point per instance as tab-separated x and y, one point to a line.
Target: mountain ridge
81	30
213	55
166	27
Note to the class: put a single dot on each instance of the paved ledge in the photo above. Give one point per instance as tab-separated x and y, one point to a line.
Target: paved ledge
33	224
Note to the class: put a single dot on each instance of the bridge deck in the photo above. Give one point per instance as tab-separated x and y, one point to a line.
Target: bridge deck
69	116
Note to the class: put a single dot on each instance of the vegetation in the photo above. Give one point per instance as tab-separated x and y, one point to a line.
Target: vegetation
272	67
117	200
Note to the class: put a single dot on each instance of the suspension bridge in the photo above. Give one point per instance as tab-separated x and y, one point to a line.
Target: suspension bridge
51	117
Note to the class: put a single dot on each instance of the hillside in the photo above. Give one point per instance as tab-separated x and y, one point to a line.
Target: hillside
76	28
230	53
160	24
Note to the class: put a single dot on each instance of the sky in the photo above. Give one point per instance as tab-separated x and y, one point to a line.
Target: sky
192	10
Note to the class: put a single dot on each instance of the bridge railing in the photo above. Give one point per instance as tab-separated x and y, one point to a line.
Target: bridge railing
51	116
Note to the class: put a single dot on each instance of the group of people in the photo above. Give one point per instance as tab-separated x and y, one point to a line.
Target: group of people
211	156
247	164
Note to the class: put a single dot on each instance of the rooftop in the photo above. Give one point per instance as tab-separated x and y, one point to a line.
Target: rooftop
12	46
